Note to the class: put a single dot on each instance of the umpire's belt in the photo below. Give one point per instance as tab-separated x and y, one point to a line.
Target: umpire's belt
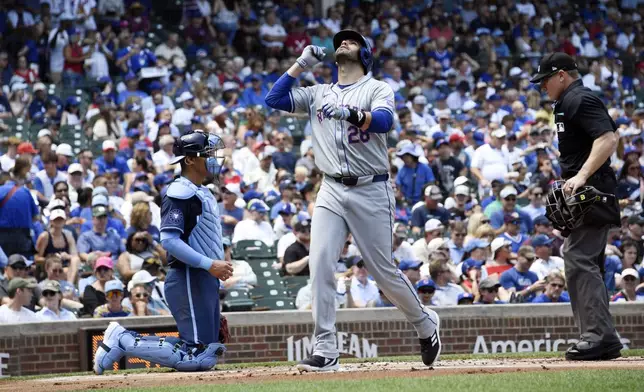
353	181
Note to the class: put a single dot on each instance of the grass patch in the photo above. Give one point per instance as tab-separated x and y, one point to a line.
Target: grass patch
564	381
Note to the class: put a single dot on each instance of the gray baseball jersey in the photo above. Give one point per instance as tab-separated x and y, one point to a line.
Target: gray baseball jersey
365	210
340	148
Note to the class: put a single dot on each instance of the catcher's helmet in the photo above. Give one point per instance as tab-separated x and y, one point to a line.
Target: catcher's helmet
203	145
567	212
366	56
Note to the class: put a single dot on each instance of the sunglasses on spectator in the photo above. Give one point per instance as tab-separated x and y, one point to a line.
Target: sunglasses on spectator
629	278
557	285
142	295
510	198
102	270
531	259
18	268
427	291
360	264
538	194
484	221
494	290
48	293
141	240
58	271
113	293
459	234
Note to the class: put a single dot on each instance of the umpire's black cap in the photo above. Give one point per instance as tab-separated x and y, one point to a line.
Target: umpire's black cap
552	63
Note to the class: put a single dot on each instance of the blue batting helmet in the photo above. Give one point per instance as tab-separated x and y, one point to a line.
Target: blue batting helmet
366	56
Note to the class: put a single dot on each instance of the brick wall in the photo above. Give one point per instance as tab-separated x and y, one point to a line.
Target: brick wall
264	336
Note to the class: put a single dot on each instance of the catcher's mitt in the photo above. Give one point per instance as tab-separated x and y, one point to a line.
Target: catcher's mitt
224	334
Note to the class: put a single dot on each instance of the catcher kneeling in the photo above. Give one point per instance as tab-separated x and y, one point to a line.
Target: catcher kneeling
191	234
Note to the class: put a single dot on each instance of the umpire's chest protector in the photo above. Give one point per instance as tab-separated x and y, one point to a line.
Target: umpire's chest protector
572	111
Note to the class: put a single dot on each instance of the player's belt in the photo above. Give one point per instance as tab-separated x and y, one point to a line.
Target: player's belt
353	181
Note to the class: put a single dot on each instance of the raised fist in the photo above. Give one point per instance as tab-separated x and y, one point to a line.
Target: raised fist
311	55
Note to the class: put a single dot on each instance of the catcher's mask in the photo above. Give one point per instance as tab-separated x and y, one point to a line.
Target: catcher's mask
567	212
203	145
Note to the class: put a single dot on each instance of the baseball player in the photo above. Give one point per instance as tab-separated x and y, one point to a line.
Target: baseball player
191	234
350	121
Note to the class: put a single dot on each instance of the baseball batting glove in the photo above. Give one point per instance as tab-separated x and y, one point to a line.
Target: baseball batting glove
311	56
335	112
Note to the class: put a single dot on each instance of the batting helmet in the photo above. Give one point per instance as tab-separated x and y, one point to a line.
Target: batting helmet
567	212
366	56
200	144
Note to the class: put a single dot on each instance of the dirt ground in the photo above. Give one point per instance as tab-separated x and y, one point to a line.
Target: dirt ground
282	373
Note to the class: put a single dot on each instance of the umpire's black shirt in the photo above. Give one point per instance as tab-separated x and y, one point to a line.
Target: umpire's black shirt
580	118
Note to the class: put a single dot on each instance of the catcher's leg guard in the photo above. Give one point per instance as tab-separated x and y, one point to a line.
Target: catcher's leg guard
109	350
171	352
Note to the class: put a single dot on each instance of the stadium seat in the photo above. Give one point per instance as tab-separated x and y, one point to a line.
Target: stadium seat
238	305
266	292
260	265
295	283
271	282
274	303
252	249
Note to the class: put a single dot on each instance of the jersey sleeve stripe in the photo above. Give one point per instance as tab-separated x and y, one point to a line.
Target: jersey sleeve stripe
290	97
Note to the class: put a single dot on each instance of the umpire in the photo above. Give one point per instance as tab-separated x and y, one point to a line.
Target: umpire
587	139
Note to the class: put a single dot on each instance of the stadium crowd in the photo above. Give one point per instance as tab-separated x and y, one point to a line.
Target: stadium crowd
94	94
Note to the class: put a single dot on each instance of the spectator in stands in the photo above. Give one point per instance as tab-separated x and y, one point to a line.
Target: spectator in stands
489	290
106	241
426	288
489	162
229	212
411	269
536	207
162	157
138	247
413	175
402	250
143	283
19	99
141	221
17	267
265	174
447	167
18	211
20	292
243	275
56	241
433	229
546	262
554	292
8	159
53	266
358	291
109	160
112	306
519	280
632	290
53	310
282	225
296	256
511	233
446	291
635	233
255	226
46	178
283	159
458	231
500	261
94	294
272	34
509	206
287	191
170	49
74	59
289	238
429	209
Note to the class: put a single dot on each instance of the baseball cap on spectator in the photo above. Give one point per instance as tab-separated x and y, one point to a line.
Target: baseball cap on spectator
250	134
410	149
498	243
400	230
64	149
100	190
75	168
630	272
511	218
73	101
145	188
57	213
636	220
165	140
433	192
464	298
100	200
185	96
140	146
39	87
26	148
255	77
257	205
425	284
436	244
469	264
104	261
489	283
514	71
267	153
129	76
405	265
456	137
162	179
286	184
108	145
20	283
155	85
18	260
420	100
468	105
508	191
442	114
440	142
302	226
44	132
475	243
527	251
499	133
133	132
287	208
51	285
541	240
461	180
479	138
433	224
541	220
99	211
140	197
140	277
462	190
438	135
113	285
219	110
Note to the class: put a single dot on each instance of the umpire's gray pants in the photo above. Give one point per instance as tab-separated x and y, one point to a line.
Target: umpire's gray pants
583	253
367	212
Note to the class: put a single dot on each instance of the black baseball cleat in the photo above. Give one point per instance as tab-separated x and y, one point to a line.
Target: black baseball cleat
317	363
430	348
594	351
